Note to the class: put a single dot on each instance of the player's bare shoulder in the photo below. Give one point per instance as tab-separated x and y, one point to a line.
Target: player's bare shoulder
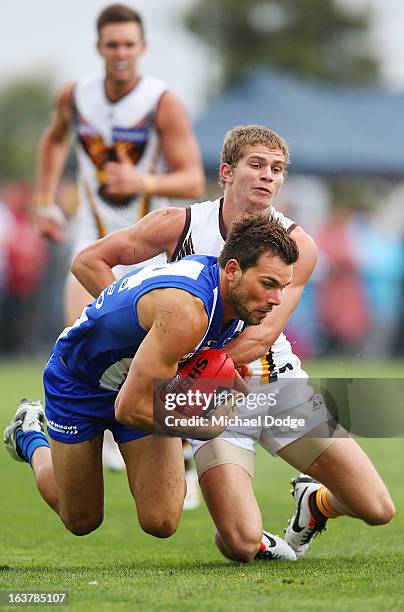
185	315
177	315
169	107
164	227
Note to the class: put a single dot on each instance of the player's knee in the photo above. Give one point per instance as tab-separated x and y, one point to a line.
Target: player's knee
82	524
381	512
163	527
242	544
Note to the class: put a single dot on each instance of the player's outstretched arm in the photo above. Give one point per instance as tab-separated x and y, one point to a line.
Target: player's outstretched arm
255	341
177	322
52	155
157	232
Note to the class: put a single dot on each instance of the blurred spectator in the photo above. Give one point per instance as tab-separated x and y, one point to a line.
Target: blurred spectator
24	256
302	328
398	340
342	304
6	229
380	259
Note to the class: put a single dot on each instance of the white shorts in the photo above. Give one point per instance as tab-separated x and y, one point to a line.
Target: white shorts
276	414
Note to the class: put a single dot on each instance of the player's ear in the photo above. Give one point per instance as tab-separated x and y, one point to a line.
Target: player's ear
232	270
226	173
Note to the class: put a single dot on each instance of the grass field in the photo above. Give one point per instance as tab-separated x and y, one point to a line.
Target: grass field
351	567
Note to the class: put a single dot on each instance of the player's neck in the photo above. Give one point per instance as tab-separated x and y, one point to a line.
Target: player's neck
114	90
232	210
228	312
229	212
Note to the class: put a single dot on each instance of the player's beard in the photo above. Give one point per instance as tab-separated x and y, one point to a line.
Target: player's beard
240	302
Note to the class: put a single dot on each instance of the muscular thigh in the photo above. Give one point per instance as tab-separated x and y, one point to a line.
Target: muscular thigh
303	451
346	469
78	475
155	467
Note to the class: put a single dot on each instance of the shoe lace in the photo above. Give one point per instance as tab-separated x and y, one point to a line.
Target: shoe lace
267	555
310	534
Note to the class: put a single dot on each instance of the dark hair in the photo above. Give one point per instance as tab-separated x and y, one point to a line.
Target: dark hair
118	13
255	234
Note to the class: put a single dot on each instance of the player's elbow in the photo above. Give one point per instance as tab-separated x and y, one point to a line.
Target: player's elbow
133	415
127	417
82	267
78	265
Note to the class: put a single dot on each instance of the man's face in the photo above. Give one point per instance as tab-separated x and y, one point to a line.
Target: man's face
254	292
121	44
256	179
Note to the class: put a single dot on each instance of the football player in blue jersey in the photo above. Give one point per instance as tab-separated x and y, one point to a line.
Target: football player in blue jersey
101	371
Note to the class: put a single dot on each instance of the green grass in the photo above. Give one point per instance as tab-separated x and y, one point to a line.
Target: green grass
351	567
359	368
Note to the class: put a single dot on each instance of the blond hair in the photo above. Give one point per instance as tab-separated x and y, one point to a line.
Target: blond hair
240	137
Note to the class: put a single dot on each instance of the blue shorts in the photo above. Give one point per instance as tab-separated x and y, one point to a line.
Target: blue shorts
76	411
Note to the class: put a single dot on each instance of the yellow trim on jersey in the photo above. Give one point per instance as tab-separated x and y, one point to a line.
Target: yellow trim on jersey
101	228
266	371
144	205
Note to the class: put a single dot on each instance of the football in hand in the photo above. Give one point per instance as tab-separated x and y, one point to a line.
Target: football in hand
201	384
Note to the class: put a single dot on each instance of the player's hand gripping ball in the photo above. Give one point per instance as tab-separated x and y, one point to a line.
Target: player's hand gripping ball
201	384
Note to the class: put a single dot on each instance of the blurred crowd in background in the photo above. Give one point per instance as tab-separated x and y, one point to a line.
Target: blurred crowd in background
354	304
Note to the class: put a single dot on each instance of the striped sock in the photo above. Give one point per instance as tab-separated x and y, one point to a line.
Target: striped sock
324	503
29	441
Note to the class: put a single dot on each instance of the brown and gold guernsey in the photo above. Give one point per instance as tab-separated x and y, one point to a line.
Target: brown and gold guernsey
101	128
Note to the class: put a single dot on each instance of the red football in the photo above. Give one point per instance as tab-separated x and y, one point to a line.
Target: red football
200	382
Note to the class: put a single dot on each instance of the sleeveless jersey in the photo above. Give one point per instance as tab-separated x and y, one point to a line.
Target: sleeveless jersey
98	349
101	126
204	232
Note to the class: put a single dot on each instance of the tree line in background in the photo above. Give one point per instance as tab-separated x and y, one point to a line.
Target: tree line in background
24	111
316	38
